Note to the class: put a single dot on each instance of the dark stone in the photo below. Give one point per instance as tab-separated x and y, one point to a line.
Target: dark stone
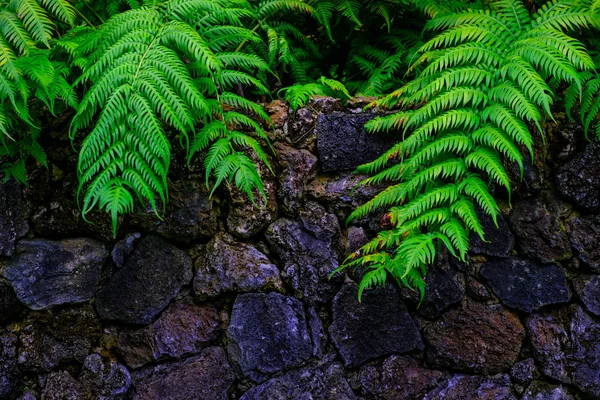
269	333
308	260
317	333
46	273
124	248
579	179
150	279
499	240
10	306
465	387
62	386
300	130
227	266
104	379
566	344
326	104
10	374
476	337
28	395
523	371
584	233
546	391
183	329
477	290
398	378
13	216
297	168
445	288
49	339
377	326
207	376
526	285
344	144
588	289
356	237
539	230
323	383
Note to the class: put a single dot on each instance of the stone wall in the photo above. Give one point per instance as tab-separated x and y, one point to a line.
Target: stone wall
220	300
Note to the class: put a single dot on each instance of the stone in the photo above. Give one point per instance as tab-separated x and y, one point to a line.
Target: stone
398	378
308	260
499	239
10	306
28	395
13	216
152	276
587	288
300	129
379	325
539	230
227	266
445	288
584	233
278	112
344	144
49	339
206	376
183	329
523	371
477	290
318	335
104	379
124	248
45	273
326	104
355	238
61	385
298	167
579	179
526	285
269	333
10	375
545	391
324	383
566	344
476	337
465	387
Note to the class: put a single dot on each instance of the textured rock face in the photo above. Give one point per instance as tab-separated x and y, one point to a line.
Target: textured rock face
499	240
269	333
49	339
13	217
579	179
476	337
546	391
183	329
46	273
9	370
298	167
584	233
465	387
323	383
10	306
378	326
445	288
207	376
567	345
398	378
104	379
62	386
523	371
357	146
588	289
525	285
150	279
227	266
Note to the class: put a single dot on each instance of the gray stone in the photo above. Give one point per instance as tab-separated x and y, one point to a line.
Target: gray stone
445	288
579	179
546	391
566	344
10	306
476	337
10	374
104	379
317	333
377	326
151	278
13	216
207	376
269	333
398	378
465	387
584	233
523	371
323	383
182	330
499	239
228	266
526	285
588	290
62	386
344	144
297	168
124	248
45	273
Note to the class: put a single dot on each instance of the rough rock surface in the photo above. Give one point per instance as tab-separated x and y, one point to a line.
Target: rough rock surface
588	290
207	376
104	379
227	266
297	168
150	279
357	147
398	378
323	383
566	343
545	391
269	333
476	337
10	306
523	371
526	285
62	386
465	387
183	329
13	216
124	248
445	288
579	179
378	326
9	370
499	240
46	273
584	233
